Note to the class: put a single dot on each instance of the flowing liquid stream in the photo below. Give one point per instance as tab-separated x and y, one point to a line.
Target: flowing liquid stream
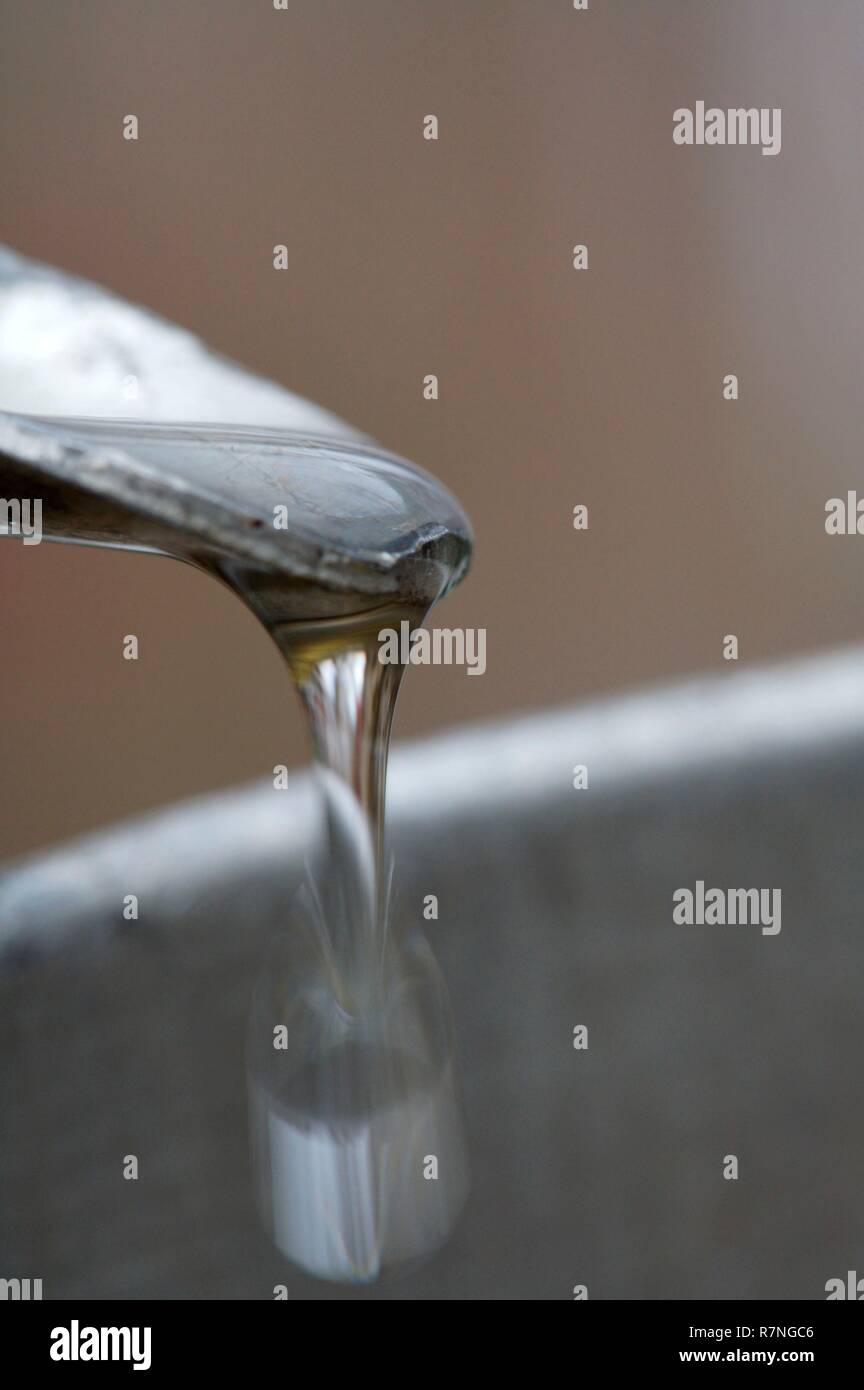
358	1153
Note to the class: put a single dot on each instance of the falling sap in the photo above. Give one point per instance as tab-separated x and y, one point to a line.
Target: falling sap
358	1154
357	1139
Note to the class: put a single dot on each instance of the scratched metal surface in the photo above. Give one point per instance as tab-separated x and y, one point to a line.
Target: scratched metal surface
601	1168
202	450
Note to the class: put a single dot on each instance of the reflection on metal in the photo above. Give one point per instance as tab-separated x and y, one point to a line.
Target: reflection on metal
126	470
69	347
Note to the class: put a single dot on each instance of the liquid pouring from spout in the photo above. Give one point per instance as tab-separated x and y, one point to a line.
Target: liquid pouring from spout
328	540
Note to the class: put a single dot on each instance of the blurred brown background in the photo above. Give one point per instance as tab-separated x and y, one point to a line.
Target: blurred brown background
407	257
